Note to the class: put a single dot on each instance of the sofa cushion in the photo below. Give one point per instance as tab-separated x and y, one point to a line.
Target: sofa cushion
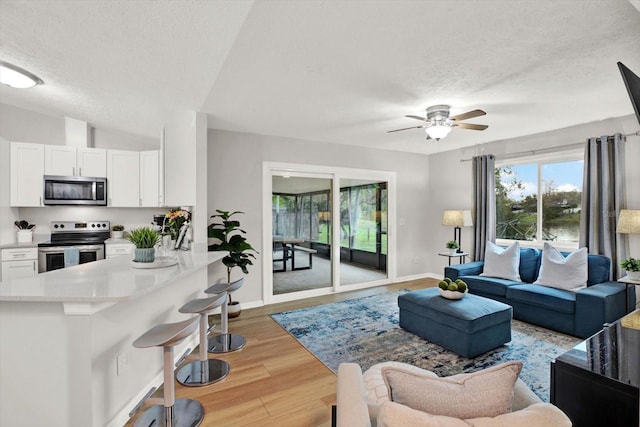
570	273
485	393
543	296
503	263
529	264
540	414
374	385
599	268
488	285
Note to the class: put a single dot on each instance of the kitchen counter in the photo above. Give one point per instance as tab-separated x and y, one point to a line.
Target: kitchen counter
66	337
104	281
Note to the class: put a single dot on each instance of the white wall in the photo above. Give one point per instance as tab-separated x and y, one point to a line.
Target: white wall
235	183
452	185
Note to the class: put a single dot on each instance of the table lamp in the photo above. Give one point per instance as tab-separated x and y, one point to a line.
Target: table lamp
457	219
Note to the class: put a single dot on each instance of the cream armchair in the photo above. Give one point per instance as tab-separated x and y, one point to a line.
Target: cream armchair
364	400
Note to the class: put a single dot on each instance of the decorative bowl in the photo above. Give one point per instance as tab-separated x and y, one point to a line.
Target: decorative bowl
453	294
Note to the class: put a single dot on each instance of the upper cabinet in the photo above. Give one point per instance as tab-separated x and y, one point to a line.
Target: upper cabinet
149	178
123	178
71	161
27	169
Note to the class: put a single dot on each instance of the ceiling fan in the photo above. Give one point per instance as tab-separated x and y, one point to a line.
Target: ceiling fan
438	123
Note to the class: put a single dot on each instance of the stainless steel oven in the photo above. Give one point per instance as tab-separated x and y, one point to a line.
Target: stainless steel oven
87	237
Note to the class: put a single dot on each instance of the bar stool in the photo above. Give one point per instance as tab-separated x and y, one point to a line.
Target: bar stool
202	370
171	412
225	342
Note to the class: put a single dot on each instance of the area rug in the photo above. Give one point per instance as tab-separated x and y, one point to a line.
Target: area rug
366	331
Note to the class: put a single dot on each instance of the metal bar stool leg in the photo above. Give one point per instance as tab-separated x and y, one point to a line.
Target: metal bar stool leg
173	412
202	370
225	342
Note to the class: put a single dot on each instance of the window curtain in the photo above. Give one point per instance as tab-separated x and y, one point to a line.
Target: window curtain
602	199
484	203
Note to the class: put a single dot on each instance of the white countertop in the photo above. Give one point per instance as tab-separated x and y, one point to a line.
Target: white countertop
104	281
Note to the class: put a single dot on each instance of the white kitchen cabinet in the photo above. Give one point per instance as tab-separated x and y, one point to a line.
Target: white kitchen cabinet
19	262
92	162
60	160
149	178
123	178
27	169
71	161
113	250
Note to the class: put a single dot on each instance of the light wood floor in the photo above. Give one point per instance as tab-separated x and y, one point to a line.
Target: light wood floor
274	381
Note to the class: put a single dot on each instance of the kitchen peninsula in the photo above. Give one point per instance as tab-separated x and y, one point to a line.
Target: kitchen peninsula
66	357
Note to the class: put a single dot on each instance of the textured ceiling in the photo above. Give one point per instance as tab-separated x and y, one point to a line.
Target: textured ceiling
334	71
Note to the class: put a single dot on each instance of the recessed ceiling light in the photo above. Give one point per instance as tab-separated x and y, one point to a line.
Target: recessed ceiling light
17	77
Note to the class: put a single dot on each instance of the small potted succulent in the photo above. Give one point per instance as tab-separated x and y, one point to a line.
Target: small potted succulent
453	246
145	239
117	231
632	266
25	231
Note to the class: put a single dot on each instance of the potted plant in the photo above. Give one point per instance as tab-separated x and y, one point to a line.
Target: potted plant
117	231
632	266
145	239
25	231
453	246
231	239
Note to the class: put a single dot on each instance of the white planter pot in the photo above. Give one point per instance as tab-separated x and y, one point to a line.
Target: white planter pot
117	234
234	309
633	275
25	236
453	251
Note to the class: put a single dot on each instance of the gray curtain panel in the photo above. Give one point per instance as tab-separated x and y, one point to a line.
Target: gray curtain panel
602	199
484	203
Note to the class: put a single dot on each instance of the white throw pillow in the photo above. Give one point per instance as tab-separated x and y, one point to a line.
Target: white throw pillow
484	393
502	263
556	271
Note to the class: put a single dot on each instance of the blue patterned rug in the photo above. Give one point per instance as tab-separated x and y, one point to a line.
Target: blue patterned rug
365	331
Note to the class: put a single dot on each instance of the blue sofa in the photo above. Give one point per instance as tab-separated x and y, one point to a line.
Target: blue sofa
580	313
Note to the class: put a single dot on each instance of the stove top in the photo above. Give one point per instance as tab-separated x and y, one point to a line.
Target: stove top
74	233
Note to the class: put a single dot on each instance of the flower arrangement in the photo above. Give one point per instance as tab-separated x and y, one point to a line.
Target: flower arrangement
452	244
176	218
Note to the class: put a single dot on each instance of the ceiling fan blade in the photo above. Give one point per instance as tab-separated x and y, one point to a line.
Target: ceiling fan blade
468	115
398	130
469	126
417	118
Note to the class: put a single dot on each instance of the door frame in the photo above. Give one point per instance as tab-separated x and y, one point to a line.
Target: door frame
269	169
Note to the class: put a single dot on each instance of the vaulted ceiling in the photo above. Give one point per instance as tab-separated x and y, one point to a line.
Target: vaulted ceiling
330	71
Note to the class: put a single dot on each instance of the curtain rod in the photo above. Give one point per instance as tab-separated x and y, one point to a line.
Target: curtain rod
546	150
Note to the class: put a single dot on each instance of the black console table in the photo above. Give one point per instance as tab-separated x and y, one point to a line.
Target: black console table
596	383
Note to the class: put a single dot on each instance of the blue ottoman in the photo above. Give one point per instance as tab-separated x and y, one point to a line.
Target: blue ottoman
468	327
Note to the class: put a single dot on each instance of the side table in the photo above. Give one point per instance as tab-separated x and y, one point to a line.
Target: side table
628	282
461	256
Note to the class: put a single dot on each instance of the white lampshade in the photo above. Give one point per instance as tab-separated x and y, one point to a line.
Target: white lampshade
457	218
629	222
438	131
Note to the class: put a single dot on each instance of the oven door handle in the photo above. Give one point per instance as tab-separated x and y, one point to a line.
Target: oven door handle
60	249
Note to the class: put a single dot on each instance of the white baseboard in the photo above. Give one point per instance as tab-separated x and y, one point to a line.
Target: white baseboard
418	277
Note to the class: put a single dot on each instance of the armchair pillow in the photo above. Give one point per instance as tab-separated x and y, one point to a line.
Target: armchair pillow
484	393
502	263
537	415
556	271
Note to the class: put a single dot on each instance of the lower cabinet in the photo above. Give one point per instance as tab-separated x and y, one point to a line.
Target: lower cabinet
113	250
19	262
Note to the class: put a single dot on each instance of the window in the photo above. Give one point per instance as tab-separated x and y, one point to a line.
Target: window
540	200
363	217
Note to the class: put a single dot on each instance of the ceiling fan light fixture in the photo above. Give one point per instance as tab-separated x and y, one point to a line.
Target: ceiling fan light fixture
438	131
16	77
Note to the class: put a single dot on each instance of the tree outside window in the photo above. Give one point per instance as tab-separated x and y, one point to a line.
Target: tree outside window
539	201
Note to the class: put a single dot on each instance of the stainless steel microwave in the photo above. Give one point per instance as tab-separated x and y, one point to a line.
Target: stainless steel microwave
75	190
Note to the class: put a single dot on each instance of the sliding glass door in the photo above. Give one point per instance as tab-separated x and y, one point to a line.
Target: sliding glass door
301	224
363	231
327	230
